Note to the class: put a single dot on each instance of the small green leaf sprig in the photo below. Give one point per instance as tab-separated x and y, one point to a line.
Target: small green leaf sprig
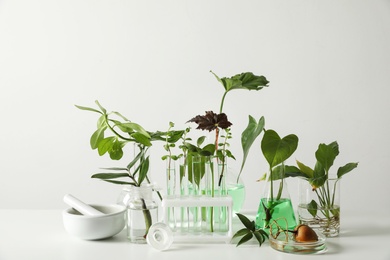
249	231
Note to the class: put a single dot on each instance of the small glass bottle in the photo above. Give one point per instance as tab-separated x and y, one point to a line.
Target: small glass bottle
142	212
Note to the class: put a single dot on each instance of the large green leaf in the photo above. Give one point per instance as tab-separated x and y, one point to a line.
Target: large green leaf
249	81
105	145
245	80
275	149
345	169
96	137
142	139
248	137
284	171
326	154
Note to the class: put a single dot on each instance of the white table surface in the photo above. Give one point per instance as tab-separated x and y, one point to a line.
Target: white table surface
39	234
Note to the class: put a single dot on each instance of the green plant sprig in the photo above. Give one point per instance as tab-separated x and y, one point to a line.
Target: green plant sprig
249	231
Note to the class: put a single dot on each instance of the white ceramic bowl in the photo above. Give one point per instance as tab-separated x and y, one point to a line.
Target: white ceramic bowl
95	227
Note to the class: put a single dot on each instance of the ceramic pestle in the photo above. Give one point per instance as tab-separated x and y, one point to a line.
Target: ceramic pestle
81	207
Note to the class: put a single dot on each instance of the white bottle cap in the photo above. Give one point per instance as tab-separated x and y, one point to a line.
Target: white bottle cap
160	236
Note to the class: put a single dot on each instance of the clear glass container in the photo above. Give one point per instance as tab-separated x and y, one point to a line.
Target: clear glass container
320	208
142	212
275	205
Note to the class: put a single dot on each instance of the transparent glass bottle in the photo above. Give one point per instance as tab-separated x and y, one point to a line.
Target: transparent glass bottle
142	212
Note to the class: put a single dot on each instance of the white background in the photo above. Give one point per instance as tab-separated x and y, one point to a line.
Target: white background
328	63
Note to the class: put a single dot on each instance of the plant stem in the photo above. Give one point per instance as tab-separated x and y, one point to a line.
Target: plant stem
147	216
222	101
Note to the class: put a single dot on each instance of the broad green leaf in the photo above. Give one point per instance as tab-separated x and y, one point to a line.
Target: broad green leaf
312	208
246	222
88	109
277	150
106	176
248	137
208	150
142	139
250	81
143	170
245	238
305	170
105	145
345	169
96	137
175	136
326	154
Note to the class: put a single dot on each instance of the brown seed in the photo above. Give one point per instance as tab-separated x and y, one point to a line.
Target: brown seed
304	233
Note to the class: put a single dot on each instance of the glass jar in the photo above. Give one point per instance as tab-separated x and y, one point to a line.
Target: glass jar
142	212
320	208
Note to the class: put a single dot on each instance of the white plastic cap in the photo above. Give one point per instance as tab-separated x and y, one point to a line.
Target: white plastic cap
160	236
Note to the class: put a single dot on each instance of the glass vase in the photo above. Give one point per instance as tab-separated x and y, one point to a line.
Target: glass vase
142	212
275	207
320	208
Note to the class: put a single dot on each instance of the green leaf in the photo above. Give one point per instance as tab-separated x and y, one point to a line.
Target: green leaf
277	150
305	170
312	208
96	137
260	235
292	171
116	152
249	81
247	223
134	161
241	232
105	145
130	127
142	139
245	238
345	169
101	108
200	140
106	176
208	150
143	170
248	137
326	154
319	176
88	109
